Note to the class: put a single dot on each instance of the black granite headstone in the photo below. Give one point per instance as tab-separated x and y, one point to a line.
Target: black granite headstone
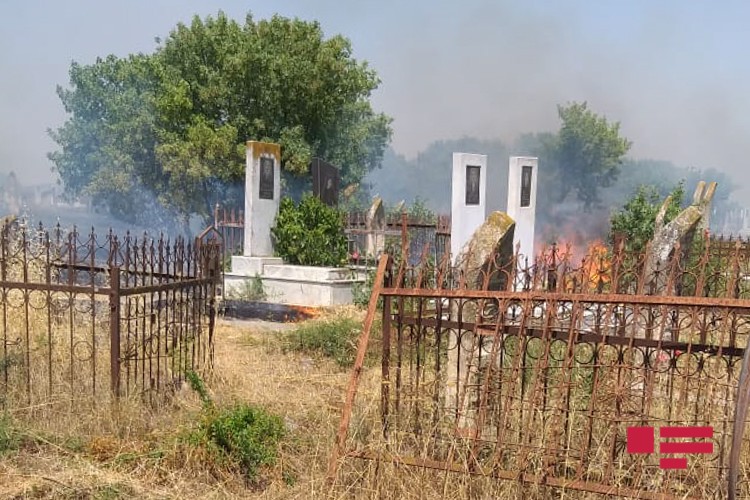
325	179
472	184
525	186
266	179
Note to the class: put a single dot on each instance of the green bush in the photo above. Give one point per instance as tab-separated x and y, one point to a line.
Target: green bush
9	439
334	338
637	219
249	436
310	233
250	289
361	292
246	434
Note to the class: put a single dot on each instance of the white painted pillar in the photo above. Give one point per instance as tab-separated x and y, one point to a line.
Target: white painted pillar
469	186
262	196
522	182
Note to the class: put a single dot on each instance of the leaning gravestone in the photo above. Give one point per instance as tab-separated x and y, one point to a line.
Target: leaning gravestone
680	230
484	262
469	183
325	179
375	226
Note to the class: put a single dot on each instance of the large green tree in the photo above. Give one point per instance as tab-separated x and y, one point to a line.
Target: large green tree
588	153
170	127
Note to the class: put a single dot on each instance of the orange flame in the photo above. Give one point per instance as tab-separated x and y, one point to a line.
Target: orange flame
597	265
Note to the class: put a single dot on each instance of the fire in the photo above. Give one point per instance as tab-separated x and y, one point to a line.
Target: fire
597	265
593	261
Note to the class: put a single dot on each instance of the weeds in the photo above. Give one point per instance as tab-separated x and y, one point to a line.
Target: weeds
248	436
9	438
334	337
250	289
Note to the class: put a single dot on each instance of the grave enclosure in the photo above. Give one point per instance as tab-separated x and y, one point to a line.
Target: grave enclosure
368	232
282	283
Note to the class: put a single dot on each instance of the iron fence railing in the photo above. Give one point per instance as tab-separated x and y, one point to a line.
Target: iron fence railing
534	373
83	316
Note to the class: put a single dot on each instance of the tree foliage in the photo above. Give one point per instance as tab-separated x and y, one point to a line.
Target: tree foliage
171	126
589	152
636	221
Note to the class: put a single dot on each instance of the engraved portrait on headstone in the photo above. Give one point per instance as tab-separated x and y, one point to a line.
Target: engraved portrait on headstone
526	186
472	184
266	179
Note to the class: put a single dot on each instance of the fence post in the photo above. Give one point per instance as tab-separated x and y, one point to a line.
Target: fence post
114	330
404	238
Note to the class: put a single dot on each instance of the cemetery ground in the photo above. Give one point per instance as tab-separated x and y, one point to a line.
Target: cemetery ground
298	372
149	451
295	375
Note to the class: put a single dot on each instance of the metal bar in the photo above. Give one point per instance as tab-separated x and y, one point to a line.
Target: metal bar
351	393
564	334
114	332
555	482
177	285
739	305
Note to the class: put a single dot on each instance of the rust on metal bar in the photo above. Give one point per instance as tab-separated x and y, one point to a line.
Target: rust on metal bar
114	331
603	298
591	487
362	345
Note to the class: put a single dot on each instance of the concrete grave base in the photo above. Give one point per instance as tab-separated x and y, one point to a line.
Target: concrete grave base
297	285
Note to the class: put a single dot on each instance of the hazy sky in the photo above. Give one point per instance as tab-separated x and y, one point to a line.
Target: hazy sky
675	74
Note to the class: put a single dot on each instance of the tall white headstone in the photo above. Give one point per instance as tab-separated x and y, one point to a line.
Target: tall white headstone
469	186
522	175
262	196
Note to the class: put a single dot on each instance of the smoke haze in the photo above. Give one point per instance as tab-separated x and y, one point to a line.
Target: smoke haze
674	74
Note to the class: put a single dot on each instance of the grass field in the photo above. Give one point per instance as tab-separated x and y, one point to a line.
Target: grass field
298	373
88	453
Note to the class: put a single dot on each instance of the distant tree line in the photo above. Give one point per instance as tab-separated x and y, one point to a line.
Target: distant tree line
584	172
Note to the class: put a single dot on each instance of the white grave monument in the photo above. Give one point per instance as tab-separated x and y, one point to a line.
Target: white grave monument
469	186
262	199
522	175
282	283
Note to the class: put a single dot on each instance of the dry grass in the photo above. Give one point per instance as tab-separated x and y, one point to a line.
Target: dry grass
86	452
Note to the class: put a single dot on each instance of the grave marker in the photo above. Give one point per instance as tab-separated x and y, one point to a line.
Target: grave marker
325	182
522	180
262	196
469	185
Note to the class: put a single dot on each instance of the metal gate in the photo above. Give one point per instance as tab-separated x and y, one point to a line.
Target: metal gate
551	377
87	319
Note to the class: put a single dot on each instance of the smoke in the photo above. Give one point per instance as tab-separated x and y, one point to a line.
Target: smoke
670	72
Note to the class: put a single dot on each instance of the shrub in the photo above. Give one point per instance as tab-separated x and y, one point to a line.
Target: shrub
9	438
249	436
250	289
334	337
310	233
636	221
246	434
361	292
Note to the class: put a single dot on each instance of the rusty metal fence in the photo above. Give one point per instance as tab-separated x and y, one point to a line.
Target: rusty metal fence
417	235
534	374
87	317
230	223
